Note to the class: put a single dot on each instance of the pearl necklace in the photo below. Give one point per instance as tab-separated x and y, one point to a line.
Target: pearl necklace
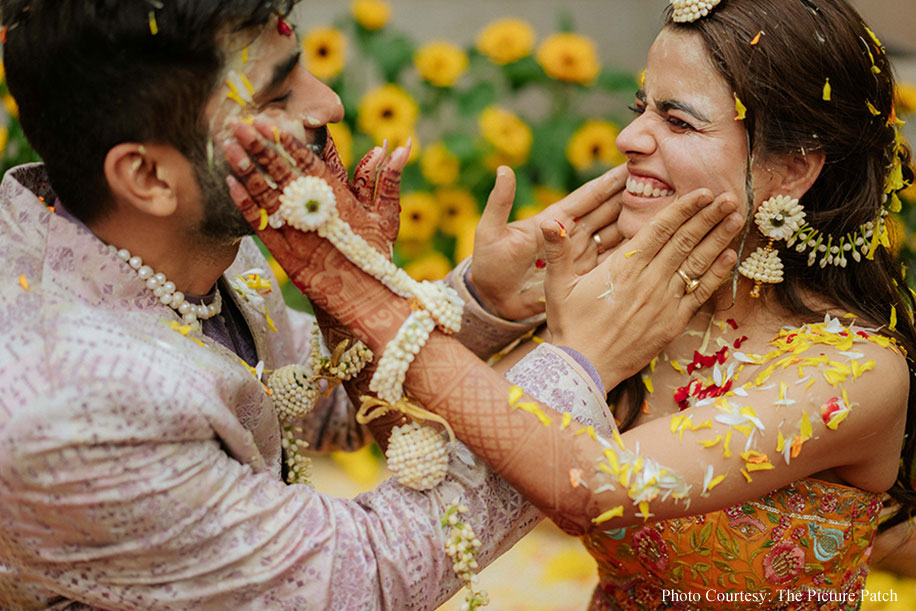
167	293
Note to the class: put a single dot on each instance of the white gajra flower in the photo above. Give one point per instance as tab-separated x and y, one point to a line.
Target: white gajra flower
308	203
688	11
780	217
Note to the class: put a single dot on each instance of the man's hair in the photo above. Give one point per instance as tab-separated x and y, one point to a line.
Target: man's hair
91	74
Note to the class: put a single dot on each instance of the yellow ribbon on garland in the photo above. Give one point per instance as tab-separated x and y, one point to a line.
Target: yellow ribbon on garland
373	408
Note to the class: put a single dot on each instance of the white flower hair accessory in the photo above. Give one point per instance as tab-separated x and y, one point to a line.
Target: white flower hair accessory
688	11
780	217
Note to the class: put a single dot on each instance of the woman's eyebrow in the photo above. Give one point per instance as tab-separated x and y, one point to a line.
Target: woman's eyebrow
668	105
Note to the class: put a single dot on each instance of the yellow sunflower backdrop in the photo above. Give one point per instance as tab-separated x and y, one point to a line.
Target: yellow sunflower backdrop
514	96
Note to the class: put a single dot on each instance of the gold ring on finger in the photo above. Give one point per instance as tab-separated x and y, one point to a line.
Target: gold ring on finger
692	284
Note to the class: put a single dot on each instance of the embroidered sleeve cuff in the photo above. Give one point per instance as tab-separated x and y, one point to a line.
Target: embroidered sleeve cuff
481	332
553	376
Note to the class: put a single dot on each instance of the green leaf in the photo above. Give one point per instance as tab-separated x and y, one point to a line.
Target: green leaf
472	101
548	152
768	543
705	533
773	518
722	537
725	567
392	53
525	71
461	145
566	22
524	190
678	573
617	81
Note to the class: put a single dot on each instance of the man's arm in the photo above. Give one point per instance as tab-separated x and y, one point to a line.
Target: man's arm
120	498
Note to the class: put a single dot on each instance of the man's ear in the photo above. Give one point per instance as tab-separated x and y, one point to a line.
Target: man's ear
793	175
145	177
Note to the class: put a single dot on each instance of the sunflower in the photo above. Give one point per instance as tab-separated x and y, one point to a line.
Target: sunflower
440	63
439	166
506	40
464	245
386	109
527	211
343	140
545	196
371	14
593	144
455	207
325	52
419	217
509	135
12	108
433	266
906	98
398	135
569	57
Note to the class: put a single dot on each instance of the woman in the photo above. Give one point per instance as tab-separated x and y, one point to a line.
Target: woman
752	477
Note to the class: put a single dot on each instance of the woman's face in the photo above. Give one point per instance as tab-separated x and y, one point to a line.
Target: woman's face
685	135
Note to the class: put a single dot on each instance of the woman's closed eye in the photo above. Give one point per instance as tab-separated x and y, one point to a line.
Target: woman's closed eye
679	124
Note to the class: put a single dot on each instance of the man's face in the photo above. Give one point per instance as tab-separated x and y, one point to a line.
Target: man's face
265	76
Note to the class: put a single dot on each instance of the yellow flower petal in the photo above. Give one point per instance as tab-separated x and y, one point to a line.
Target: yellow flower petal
806	429
616	512
715	482
644	510
711	443
515	393
740	109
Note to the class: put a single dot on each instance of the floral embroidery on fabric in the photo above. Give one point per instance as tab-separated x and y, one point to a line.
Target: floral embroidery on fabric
811	539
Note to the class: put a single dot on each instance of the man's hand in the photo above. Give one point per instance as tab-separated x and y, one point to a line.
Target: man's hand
624	312
508	268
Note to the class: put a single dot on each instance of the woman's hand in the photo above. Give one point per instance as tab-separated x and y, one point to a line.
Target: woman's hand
624	312
507	272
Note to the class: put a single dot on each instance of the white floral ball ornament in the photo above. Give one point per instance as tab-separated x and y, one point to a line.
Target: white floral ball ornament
308	203
778	218
688	11
418	456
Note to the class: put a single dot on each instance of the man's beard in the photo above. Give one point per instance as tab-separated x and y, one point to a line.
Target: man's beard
223	222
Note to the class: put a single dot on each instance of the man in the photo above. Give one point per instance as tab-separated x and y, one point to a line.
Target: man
140	458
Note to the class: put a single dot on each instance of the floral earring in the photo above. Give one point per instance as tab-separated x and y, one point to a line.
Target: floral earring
778	219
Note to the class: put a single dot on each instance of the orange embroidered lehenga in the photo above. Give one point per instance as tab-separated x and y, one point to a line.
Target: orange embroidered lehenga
805	546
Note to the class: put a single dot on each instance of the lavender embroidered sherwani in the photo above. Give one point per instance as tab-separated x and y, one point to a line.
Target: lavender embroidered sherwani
141	470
